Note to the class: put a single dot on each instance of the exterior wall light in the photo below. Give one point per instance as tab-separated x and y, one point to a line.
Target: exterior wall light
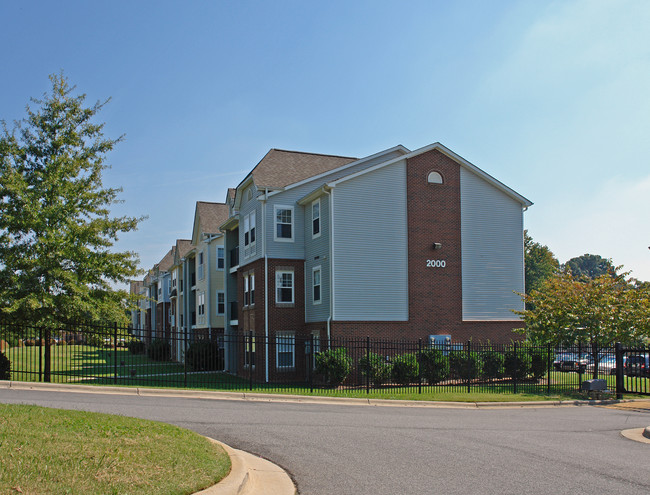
436	245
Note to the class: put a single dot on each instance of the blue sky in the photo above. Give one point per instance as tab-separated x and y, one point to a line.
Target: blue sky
551	98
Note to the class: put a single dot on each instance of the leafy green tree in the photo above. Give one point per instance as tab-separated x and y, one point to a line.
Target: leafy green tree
539	263
590	266
595	312
56	230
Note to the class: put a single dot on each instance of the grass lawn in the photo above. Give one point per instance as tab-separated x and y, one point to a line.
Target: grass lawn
102	366
54	451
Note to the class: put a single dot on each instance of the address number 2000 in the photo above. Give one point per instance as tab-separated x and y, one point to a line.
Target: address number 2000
436	263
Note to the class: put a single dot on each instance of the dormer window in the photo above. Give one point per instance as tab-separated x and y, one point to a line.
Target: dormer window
434	178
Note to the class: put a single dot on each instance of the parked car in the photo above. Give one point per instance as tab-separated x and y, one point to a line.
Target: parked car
606	365
570	361
638	365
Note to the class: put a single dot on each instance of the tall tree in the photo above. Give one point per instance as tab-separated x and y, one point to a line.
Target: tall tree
56	230
594	312
590	266
539	262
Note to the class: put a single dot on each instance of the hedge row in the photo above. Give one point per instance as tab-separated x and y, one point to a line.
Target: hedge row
433	365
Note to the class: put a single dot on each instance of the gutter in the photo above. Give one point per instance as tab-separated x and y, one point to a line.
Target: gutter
266	285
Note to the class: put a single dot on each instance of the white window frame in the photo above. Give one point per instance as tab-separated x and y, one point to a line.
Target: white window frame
284	341
246	231
223	296
276	223
278	279
252	230
246	294
221	258
316	269
200	304
200	266
251	289
315	203
174	277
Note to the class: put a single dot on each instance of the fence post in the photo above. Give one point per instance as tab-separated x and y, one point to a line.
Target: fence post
420	366
368	367
548	369
250	360
579	367
469	357
115	353
40	354
47	372
185	337
619	371
516	371
311	363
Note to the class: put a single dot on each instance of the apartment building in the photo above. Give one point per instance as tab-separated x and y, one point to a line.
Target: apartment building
400	244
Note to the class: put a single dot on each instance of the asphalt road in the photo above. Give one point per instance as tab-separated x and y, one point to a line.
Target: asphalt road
341	449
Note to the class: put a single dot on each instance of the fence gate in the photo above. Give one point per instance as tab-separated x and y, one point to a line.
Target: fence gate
632	370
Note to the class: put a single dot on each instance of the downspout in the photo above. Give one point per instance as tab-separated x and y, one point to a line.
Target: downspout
266	285
330	192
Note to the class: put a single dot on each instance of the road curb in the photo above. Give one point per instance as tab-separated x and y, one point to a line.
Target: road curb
250	475
218	395
641	435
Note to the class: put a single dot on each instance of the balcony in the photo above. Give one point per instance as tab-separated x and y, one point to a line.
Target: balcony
234	315
234	258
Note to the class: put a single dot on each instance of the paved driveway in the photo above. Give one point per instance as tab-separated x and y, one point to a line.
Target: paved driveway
338	449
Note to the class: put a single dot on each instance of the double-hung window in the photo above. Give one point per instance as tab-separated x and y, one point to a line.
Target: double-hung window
200	303
252	288
246	293
285	349
315	218
284	286
221	258
284	223
174	278
221	303
316	285
252	227
200	266
249	350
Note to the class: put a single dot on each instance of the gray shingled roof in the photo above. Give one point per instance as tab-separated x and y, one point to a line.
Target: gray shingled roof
211	216
280	168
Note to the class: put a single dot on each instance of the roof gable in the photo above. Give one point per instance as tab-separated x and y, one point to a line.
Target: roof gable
207	219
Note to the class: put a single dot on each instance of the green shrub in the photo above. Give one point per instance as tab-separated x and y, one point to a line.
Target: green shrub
434	365
136	347
492	364
375	368
464	365
405	369
333	365
538	362
203	355
5	367
159	350
517	364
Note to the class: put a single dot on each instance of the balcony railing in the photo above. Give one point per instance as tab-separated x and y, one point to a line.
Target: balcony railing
234	257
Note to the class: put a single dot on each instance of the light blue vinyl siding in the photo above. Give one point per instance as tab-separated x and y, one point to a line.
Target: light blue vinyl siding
317	248
492	250
370	239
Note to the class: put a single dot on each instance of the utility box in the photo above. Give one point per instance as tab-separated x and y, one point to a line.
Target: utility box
596	385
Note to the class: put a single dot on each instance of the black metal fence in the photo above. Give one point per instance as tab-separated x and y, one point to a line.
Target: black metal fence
96	354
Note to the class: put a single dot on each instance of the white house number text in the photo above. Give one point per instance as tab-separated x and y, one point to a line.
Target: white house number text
436	263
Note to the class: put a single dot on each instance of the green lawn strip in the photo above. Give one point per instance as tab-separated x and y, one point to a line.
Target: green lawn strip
46	450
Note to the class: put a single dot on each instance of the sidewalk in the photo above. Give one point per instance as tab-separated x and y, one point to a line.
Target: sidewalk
218	395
